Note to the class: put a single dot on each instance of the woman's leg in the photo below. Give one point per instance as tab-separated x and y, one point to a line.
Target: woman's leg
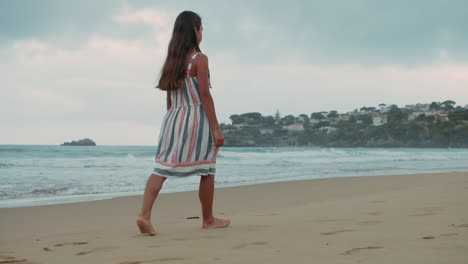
153	186
206	194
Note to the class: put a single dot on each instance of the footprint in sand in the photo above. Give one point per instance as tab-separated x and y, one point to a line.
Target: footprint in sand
10	259
336	232
428	237
441	235
255	243
2	258
71	243
351	251
95	250
65	244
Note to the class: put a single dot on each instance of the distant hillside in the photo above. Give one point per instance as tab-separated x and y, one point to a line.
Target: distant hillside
420	125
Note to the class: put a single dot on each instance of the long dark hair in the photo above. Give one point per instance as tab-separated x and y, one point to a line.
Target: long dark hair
183	41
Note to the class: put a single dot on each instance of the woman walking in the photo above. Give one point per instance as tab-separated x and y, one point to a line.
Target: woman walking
190	136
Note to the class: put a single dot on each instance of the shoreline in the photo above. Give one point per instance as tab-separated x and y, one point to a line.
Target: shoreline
247	146
70	199
417	218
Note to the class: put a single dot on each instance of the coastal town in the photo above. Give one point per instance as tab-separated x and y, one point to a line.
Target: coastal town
367	126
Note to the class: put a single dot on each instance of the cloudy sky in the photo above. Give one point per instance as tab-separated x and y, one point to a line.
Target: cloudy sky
76	69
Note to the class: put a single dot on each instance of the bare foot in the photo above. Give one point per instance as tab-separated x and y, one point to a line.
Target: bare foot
216	223
145	226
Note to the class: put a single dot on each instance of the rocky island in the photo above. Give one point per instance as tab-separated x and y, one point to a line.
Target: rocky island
81	142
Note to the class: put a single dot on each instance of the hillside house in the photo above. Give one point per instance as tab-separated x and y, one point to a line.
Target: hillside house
378	119
415	115
266	131
418	107
442	116
345	117
242	125
314	121
327	129
295	127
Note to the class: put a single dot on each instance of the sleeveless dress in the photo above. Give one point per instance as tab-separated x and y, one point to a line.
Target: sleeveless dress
186	145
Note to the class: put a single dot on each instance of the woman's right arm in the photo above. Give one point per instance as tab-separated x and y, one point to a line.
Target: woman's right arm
206	99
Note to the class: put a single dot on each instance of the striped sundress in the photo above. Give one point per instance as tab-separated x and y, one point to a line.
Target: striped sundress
186	145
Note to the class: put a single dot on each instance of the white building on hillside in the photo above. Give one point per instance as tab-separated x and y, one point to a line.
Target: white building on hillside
266	131
378	119
295	127
418	107
415	115
442	116
328	129
242	125
314	121
423	107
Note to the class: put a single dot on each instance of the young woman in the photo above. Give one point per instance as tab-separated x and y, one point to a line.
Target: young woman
190	137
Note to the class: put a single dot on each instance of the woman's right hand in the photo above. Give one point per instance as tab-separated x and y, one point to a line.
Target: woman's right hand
219	138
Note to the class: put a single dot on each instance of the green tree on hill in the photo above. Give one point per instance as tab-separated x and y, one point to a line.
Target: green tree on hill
236	119
333	114
252	115
434	106
458	115
396	115
448	105
317	115
366	119
268	121
277	115
306	120
367	108
288	120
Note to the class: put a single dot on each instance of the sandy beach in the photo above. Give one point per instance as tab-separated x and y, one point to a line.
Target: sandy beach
420	218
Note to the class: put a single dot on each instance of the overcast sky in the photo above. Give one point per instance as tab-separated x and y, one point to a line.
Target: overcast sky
76	69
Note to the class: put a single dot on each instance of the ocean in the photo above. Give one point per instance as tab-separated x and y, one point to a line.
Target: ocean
33	175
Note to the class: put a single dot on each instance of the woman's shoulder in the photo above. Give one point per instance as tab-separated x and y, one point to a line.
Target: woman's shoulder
201	55
201	58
